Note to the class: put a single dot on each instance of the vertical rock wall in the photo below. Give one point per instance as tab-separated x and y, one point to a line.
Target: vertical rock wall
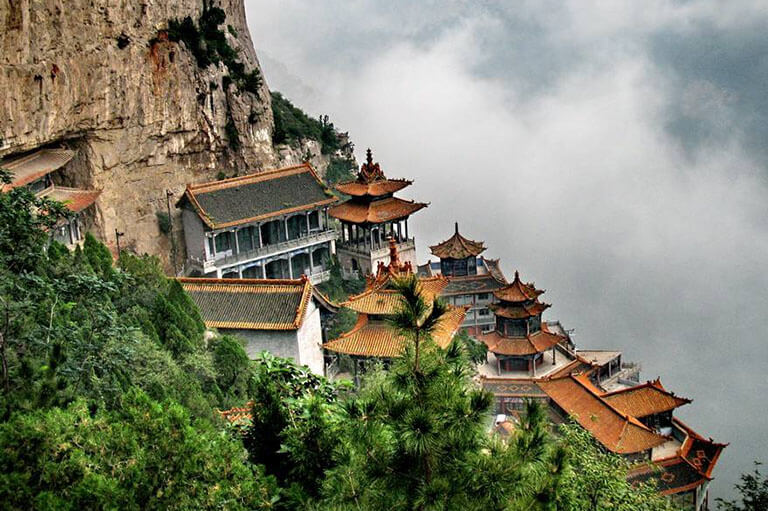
99	76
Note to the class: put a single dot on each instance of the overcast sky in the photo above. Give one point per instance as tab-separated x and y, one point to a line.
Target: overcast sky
614	152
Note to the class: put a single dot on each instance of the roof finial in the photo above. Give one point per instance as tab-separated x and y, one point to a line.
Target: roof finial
369	156
517	275
394	259
457	227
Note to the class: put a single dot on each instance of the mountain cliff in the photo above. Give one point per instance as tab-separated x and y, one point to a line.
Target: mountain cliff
152	94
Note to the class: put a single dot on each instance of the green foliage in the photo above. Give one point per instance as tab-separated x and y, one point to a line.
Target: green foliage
292	431
597	479
476	350
293	125
418	439
98	255
164	222
208	44
340	170
753	492
415	318
24	220
146	455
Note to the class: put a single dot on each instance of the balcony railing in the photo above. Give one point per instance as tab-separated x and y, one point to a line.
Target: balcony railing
319	277
364	250
263	251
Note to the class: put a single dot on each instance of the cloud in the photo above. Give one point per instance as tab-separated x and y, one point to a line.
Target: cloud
594	146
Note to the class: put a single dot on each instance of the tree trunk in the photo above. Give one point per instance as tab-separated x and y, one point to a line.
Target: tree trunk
416	365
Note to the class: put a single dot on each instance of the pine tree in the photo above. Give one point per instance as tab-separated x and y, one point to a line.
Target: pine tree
417	436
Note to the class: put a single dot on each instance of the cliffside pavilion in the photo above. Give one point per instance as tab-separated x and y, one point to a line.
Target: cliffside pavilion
472	279
371	216
271	225
372	338
278	316
43	171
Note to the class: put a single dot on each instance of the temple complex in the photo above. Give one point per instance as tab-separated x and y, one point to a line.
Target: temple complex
271	225
472	279
372	338
369	217
43	171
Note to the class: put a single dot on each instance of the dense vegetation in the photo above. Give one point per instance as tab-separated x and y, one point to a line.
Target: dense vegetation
208	44
109	390
292	125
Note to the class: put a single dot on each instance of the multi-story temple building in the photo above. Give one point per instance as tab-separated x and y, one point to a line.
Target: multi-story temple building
372	337
43	171
521	339
472	279
371	216
270	225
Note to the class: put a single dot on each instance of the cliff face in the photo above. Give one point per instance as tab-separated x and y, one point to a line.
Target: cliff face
102	77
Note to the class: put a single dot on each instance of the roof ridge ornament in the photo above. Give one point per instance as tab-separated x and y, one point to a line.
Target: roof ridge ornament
370	171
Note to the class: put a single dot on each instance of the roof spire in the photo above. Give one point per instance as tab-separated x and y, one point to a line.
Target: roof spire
517	275
457	227
394	258
369	171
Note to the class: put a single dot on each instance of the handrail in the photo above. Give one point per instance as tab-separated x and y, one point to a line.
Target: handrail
317	237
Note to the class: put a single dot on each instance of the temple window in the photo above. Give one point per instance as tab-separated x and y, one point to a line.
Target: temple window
245	238
314	221
272	232
223	242
297	227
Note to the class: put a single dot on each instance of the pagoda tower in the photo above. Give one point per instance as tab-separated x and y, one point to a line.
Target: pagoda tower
458	255
371	216
521	337
471	279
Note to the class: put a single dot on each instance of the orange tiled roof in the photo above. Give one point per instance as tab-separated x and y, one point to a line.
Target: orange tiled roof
700	452
457	247
374	189
238	415
378	339
36	165
376	212
519	311
250	304
517	291
74	199
689	468
519	346
381	301
646	399
255	197
619	433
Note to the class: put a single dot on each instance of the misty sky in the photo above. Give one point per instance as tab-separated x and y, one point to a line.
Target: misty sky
614	152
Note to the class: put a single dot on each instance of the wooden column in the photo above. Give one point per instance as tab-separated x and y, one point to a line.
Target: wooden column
237	242
498	365
290	267
261	243
406	228
287	237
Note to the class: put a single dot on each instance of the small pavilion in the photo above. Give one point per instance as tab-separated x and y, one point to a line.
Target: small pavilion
521	338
